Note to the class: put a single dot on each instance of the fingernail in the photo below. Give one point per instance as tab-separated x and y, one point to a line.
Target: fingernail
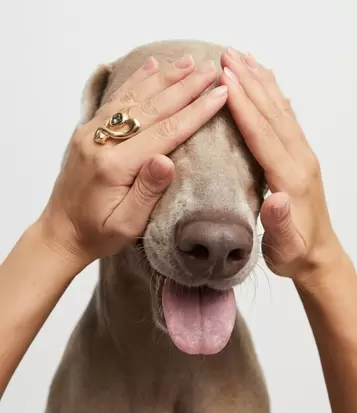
150	63
230	75
219	92
206	66
249	60
184	61
233	53
159	170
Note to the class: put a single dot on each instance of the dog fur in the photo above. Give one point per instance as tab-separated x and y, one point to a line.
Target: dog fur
119	357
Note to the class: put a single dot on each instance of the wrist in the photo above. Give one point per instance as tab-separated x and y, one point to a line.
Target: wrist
329	296
325	269
58	246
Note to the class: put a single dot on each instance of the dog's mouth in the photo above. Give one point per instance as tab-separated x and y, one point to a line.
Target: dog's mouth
199	320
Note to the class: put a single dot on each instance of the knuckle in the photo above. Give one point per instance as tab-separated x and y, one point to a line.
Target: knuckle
307	175
286	107
145	193
188	87
302	182
103	162
314	165
77	146
182	86
264	126
149	108
274	113
167	127
129	98
170	76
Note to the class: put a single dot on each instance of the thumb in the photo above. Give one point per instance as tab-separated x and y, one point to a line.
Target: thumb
277	220
148	187
282	243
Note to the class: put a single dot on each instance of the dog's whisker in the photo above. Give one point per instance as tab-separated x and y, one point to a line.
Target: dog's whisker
273	248
255	283
267	278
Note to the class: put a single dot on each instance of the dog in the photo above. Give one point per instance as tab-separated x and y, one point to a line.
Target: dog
162	332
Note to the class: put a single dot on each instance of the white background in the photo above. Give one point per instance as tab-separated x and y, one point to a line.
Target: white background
48	49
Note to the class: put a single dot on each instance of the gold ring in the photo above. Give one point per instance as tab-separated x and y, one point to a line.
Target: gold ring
114	126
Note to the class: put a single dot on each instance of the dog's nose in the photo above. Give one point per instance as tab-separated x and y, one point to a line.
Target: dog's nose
218	247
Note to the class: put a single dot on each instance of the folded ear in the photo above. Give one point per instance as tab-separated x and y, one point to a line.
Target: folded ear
93	92
91	98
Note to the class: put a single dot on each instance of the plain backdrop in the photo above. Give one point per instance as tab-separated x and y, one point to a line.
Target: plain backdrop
48	50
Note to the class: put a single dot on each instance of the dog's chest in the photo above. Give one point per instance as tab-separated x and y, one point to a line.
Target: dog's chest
201	392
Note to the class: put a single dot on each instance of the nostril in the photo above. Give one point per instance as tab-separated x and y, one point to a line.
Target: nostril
237	254
219	246
199	252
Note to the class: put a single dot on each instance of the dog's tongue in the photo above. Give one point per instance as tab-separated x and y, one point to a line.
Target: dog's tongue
199	320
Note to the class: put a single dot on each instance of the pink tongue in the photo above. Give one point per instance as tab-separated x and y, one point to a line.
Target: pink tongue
199	321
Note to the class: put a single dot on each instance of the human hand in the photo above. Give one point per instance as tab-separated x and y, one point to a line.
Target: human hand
104	194
298	237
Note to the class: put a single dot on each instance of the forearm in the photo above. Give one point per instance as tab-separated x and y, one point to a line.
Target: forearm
331	306
32	279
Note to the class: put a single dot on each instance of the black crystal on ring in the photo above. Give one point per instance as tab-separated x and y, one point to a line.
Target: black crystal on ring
117	119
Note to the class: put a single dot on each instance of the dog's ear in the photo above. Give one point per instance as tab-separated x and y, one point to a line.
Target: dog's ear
93	92
91	98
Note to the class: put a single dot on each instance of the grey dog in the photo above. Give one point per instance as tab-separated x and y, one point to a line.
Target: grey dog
162	332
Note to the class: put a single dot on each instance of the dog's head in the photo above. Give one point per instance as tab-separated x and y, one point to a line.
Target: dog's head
201	239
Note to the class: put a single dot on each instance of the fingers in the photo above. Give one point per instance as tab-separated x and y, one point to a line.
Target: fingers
262	90
129	96
256	130
134	211
175	97
278	110
267	79
258	84
167	135
149	68
281	241
275	216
